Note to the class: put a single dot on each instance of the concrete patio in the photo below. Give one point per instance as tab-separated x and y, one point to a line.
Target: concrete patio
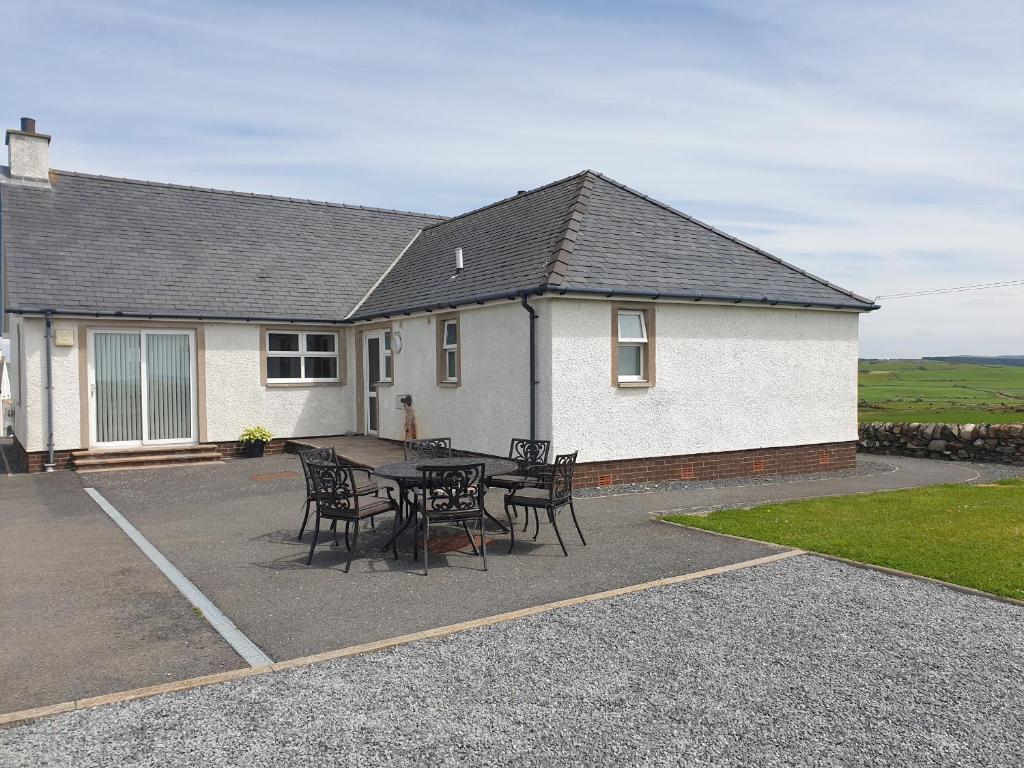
76	589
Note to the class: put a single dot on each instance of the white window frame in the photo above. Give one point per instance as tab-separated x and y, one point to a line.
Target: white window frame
302	353
446	348
639	342
387	358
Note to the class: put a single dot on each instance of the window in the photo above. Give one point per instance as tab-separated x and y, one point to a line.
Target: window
633	360
449	364
295	357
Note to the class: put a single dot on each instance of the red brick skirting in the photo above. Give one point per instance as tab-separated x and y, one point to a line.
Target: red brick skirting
786	460
36	460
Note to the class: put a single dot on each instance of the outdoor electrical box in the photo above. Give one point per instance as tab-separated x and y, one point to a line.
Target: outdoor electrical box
63	337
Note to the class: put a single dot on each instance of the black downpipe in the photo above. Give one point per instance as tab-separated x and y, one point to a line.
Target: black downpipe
49	392
533	366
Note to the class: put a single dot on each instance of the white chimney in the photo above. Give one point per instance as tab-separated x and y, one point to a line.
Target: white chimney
458	260
28	152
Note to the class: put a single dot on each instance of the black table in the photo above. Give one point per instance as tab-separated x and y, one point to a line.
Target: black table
409	476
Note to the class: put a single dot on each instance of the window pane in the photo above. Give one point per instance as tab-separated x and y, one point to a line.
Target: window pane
321	367
631	326
451	333
372	360
283	368
387	339
283	342
629	360
387	366
319	342
451	369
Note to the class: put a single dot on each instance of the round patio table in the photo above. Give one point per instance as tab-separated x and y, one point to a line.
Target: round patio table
409	476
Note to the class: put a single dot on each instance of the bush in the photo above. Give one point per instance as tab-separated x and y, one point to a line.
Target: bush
255	435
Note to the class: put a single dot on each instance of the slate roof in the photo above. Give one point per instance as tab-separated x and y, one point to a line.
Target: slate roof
99	244
104	245
589	233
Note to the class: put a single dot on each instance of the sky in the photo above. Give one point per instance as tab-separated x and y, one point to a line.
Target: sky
878	145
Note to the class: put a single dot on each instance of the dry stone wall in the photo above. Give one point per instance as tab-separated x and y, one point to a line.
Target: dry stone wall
1003	443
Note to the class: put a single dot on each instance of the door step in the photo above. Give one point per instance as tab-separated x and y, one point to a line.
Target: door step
96	460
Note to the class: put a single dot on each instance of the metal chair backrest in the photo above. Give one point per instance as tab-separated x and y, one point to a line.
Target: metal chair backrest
323	455
561	476
454	489
334	487
528	453
429	448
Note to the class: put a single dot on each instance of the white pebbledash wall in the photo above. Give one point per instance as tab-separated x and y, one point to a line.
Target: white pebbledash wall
728	378
491	404
235	398
30	384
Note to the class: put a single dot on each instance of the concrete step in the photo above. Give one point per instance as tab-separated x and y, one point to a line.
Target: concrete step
133	458
90	470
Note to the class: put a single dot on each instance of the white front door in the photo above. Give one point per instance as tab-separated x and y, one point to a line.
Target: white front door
141	387
377	363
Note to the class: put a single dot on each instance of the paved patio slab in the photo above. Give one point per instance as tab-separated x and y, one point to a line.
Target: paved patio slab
799	663
83	611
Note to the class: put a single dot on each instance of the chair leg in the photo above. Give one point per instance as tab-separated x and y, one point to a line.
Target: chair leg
373	524
470	536
305	519
536	523
347	545
483	542
572	511
352	551
334	530
511	529
526	522
551	517
316	535
426	537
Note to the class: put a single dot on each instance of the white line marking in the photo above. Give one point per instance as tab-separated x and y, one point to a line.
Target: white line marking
245	647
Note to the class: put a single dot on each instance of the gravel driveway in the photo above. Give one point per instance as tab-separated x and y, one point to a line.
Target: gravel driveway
801	662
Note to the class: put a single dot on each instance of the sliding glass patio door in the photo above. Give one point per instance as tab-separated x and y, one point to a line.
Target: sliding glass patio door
142	387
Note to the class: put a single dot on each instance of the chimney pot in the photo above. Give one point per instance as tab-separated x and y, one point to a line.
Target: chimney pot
28	125
458	260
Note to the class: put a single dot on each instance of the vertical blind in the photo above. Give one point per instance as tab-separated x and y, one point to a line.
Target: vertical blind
118	387
168	386
119	402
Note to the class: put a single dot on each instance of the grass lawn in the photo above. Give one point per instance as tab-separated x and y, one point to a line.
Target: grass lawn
967	534
930	391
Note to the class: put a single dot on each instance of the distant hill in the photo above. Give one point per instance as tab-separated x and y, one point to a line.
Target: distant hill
981	360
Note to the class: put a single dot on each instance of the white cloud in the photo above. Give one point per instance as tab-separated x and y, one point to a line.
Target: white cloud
888	134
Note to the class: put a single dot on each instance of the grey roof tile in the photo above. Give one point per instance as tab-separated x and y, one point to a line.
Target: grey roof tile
99	244
589	232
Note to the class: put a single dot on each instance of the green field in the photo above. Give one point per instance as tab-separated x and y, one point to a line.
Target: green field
967	534
929	391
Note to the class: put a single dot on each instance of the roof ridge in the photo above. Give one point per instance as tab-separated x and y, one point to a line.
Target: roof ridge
733	238
508	199
556	271
236	193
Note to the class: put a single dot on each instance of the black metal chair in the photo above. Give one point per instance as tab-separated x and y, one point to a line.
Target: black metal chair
530	456
453	494
552	494
337	498
366	485
428	448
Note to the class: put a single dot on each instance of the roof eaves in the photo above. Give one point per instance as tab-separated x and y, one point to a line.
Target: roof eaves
737	240
556	271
